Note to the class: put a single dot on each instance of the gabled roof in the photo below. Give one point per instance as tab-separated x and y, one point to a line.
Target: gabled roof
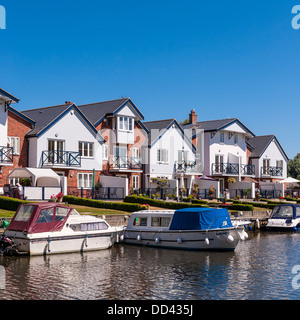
259	144
7	96
21	115
96	112
216	125
46	117
159	127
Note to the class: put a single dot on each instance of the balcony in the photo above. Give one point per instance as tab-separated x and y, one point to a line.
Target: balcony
6	155
125	164
271	171
187	167
61	158
233	169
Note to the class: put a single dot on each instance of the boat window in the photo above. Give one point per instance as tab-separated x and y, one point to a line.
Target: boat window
142	222
160	221
61	213
74	212
46	215
24	213
94	226
282	212
297	212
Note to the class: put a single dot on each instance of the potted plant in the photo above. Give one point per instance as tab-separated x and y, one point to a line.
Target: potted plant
144	206
211	192
59	197
52	198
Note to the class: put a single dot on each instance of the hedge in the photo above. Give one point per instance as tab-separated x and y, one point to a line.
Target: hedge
11	204
102	204
180	205
257	204
160	203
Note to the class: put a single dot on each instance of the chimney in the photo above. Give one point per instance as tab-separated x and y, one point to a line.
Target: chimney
68	102
193	116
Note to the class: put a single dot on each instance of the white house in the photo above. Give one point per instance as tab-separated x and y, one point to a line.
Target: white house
171	156
64	140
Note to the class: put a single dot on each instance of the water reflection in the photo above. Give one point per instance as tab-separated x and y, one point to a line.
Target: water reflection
260	268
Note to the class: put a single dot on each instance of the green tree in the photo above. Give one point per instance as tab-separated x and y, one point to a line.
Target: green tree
293	167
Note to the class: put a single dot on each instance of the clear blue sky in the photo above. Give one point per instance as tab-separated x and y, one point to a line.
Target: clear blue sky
222	58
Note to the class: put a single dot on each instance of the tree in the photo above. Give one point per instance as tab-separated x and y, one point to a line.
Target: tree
293	167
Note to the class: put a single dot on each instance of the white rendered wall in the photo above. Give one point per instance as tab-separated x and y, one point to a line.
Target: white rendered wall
3	124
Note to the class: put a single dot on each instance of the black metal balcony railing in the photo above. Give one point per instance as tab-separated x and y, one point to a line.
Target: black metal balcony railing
272	171
125	163
6	155
187	167
248	169
225	168
63	158
233	168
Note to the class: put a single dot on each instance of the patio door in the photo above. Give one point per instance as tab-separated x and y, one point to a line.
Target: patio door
56	151
120	157
266	166
219	163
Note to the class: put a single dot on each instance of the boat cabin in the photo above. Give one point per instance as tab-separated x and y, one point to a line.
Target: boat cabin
182	219
286	211
40	217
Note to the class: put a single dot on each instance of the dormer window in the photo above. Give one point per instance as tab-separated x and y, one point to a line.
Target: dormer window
125	123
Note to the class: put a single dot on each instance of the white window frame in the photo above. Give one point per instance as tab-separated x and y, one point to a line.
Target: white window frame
235	139
222	137
90	147
125	123
85	180
135	152
135	182
162	156
105	152
14	142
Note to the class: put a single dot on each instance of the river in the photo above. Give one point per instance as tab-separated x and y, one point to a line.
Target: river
259	268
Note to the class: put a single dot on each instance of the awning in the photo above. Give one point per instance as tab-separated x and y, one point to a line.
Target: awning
39	177
205	178
289	180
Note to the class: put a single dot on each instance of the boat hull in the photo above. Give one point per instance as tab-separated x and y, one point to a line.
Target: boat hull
288	225
63	244
222	239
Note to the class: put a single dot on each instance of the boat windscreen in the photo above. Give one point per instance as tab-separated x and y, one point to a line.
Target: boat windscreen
24	213
282	212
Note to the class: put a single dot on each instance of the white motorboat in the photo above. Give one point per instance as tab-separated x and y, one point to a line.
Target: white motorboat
48	228
189	229
284	217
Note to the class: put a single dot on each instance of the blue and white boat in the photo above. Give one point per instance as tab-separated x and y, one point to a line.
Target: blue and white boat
189	229
284	217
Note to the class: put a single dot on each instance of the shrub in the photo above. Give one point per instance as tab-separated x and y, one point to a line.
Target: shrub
161	204
12	204
103	204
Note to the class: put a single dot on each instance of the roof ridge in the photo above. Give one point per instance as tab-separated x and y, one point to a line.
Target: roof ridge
159	120
88	104
59	105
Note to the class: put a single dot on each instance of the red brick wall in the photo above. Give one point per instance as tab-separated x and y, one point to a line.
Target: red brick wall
16	127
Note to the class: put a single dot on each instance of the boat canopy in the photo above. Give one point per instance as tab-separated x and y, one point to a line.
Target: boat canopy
40	217
200	219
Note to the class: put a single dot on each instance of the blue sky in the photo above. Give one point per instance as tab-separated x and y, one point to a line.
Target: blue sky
222	58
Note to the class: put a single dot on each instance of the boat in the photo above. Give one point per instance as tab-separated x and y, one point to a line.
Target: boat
284	217
48	228
188	229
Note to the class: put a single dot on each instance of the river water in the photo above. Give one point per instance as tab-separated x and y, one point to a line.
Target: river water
259	268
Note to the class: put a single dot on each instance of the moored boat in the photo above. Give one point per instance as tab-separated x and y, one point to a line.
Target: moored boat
189	229
284	217
48	228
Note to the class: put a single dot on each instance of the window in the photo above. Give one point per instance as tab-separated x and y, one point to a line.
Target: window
93	226
56	151
86	149
105	152
135	182
235	138
283	212
266	166
221	137
14	181
24	213
46	215
279	163
162	155
183	155
219	163
126	123
135	152
140	222
160	221
14	142
85	180
61	213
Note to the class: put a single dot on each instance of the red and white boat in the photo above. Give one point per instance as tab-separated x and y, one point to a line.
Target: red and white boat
48	228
